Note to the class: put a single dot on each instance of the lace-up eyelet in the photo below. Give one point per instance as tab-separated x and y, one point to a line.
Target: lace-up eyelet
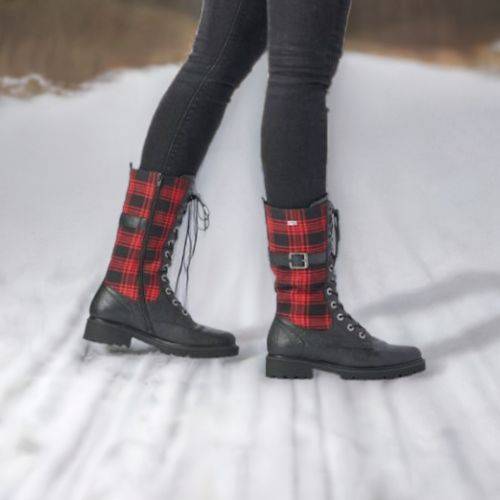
164	278
329	291
175	302
167	254
340	317
168	291
330	268
185	313
350	327
333	304
362	335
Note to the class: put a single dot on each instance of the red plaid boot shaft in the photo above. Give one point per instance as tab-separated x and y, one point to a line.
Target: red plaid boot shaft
298	249
149	215
136	299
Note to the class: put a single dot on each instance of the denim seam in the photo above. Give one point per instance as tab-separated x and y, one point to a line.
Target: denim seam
184	119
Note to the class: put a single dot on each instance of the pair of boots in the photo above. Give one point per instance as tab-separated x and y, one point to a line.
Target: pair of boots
311	328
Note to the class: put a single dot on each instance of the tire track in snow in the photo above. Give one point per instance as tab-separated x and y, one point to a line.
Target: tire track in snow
394	416
449	451
105	430
172	446
56	458
327	480
254	414
150	410
20	376
34	408
41	399
295	473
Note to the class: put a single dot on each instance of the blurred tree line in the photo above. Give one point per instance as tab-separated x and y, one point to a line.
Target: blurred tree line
70	41
412	22
427	22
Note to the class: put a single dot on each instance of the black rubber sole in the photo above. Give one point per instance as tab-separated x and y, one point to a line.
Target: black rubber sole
283	367
106	332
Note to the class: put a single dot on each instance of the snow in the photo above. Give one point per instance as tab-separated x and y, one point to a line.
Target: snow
414	169
26	85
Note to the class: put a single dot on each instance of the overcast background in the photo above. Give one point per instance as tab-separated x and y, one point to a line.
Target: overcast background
414	170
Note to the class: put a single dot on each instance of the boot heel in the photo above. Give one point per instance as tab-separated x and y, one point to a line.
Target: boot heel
98	330
280	367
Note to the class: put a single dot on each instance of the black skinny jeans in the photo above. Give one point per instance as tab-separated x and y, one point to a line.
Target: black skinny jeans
305	39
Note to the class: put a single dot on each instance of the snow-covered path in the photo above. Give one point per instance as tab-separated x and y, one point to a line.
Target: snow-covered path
415	171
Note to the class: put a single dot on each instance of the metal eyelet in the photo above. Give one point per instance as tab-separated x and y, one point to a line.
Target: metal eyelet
333	304
350	327
168	291
164	278
167	254
362	335
185	312
330	268
175	302
340	317
329	291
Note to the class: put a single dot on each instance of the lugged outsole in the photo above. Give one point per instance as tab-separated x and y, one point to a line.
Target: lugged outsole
293	368
106	332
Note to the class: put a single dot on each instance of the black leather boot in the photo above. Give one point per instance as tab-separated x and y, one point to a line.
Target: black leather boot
136	298
311	328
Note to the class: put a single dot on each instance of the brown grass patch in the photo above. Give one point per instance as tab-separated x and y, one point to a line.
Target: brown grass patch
71	41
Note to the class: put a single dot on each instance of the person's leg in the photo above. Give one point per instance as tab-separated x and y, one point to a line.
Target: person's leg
311	329
136	298
230	39
305	44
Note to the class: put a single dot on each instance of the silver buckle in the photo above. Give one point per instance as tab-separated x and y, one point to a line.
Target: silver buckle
293	264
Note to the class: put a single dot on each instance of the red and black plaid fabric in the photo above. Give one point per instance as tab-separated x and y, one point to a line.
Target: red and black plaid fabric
142	193
300	292
173	193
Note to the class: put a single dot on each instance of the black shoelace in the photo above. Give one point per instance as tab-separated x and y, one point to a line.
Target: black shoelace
331	290
198	219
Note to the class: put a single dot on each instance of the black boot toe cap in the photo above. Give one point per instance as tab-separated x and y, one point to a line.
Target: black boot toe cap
218	337
396	354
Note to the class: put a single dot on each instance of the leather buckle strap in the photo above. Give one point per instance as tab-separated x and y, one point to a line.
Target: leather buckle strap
297	260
